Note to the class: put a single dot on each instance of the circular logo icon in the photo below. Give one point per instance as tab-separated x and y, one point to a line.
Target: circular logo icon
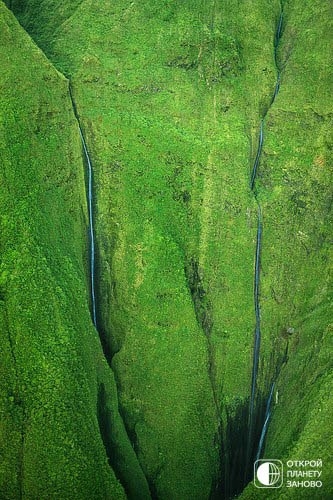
268	474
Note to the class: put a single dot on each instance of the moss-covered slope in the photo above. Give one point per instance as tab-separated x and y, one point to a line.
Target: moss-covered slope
296	193
170	97
53	371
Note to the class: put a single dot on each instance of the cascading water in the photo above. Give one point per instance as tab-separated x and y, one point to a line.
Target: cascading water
257	333
91	228
268	413
256	161
90	215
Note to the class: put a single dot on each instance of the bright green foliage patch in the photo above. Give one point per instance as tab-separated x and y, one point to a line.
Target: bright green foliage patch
170	96
295	189
50	437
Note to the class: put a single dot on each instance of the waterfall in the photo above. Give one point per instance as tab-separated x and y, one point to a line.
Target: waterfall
90	214
257	331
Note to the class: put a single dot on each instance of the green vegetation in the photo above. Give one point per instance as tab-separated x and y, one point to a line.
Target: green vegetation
170	96
52	363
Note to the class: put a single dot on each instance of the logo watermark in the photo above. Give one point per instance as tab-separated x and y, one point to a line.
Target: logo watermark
271	473
268	473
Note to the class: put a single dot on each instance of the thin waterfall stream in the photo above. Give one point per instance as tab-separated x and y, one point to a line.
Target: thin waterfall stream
122	476
257	331
268	413
90	214
91	228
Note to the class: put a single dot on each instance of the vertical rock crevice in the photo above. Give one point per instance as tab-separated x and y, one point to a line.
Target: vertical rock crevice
121	455
204	315
201	303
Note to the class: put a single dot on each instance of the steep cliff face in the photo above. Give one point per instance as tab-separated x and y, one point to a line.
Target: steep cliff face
295	189
54	377
171	99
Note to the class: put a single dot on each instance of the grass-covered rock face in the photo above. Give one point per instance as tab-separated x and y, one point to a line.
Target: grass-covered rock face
170	96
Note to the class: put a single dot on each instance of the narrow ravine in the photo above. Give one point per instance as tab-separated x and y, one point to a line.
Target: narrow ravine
104	418
90	214
251	445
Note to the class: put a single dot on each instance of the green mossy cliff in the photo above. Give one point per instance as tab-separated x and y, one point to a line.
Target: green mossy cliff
170	97
53	370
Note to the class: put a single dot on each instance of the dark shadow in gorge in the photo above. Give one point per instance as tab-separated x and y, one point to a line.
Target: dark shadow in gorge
201	303
119	451
204	315
110	444
104	422
106	299
235	473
